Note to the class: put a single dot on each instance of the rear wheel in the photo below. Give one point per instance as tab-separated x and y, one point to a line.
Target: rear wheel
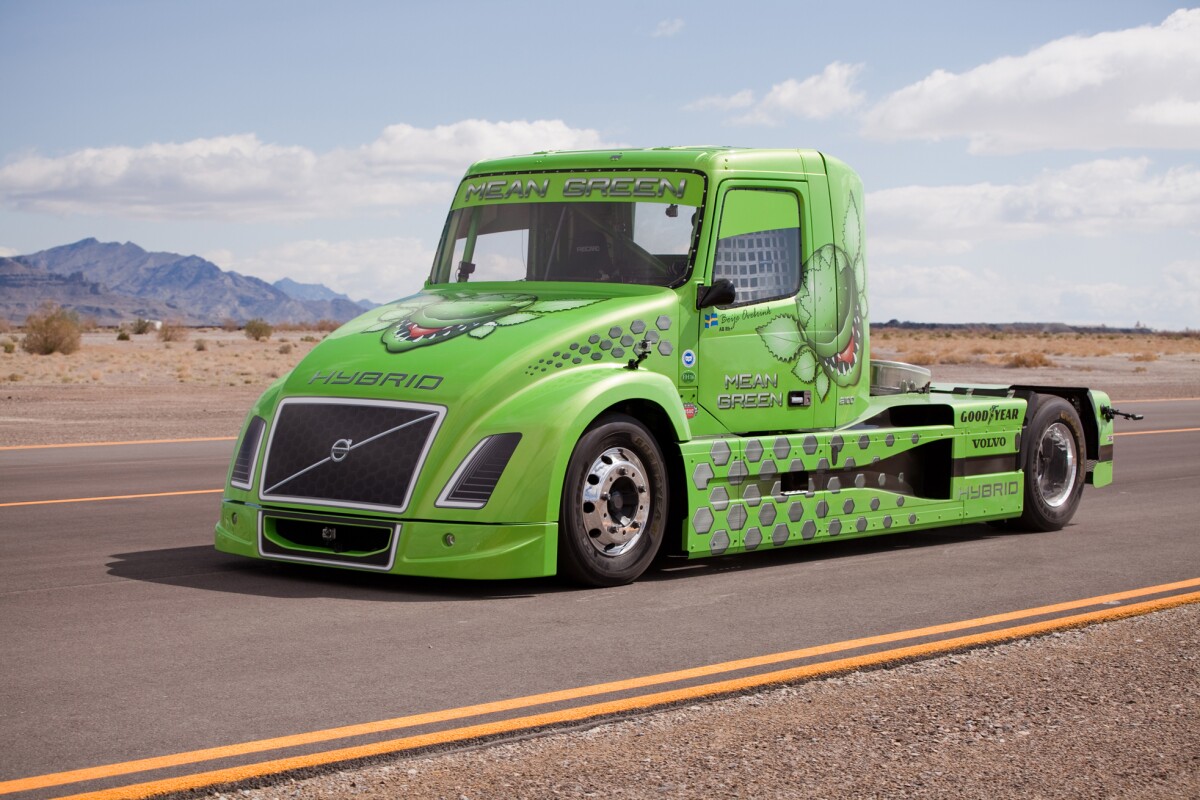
614	504
1052	455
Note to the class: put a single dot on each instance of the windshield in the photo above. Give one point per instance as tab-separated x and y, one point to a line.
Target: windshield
627	229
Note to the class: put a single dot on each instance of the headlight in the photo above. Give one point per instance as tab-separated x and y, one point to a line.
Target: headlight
472	484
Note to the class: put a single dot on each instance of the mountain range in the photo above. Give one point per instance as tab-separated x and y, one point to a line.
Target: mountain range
115	283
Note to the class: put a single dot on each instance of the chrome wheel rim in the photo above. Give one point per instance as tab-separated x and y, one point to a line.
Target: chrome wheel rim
615	501
1057	465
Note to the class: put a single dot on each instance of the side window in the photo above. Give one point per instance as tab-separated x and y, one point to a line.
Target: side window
758	244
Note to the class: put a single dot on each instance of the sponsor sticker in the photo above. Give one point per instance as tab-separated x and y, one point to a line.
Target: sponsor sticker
689	358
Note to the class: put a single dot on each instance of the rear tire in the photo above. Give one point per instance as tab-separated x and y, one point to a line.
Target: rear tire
1053	457
614	504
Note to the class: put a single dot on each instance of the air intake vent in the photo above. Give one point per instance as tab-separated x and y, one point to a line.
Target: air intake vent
247	454
476	479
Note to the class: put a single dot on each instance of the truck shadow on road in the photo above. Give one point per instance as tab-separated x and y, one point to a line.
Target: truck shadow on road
202	567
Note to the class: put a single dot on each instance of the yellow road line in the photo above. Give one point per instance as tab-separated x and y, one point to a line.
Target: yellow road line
245	748
114	444
1146	433
110	497
248	771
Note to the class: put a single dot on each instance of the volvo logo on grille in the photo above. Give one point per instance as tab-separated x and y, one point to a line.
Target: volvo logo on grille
328	535
340	449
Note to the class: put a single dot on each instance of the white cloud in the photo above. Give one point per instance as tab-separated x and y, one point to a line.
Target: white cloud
1138	87
668	27
816	97
1096	198
742	99
241	178
953	293
374	269
8	252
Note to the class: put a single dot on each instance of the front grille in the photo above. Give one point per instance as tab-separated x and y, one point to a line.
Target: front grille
351	453
320	539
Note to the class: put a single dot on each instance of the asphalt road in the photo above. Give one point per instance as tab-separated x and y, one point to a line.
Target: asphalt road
124	635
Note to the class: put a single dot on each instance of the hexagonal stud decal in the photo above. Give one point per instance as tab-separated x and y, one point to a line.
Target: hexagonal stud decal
779	536
651	336
809	530
752	539
754	451
796	466
702	521
887	521
848	507
795	511
890	440
663	323
860	524
737	517
835	527
810	445
860	481
665	348
822	509
720	452
702	475
719	499
874	503
766	515
637	326
782	448
835	447
834	485
614	332
719	543
752	495
864	442
767	471
737	472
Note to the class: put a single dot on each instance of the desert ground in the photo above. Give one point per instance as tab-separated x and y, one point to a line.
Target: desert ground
203	385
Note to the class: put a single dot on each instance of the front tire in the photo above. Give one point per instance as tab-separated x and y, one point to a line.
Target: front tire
1053	458
614	504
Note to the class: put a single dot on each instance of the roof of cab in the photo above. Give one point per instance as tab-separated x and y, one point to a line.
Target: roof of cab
712	160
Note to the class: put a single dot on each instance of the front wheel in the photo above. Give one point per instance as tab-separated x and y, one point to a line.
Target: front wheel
1052	456
614	503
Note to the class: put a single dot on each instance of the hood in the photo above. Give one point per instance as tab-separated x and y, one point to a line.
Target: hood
444	344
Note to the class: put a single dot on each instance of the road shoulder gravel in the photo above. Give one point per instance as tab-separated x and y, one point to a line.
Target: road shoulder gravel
1108	711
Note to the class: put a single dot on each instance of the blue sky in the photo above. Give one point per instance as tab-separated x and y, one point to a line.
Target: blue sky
1023	161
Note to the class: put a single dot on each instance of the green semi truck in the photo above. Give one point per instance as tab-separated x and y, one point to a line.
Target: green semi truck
626	355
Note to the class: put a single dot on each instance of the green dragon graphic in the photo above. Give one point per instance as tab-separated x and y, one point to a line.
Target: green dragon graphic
823	341
426	319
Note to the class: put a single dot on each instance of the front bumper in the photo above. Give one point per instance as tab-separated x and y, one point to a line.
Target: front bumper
416	547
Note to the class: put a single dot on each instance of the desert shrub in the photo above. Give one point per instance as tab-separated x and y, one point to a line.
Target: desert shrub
172	331
326	325
141	326
308	338
201	345
258	329
54	329
229	325
1144	357
8	346
284	349
122	335
1029	358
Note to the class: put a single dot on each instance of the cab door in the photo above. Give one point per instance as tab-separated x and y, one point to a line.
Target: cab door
756	372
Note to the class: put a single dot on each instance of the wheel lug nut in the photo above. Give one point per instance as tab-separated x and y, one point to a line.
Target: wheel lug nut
604	496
